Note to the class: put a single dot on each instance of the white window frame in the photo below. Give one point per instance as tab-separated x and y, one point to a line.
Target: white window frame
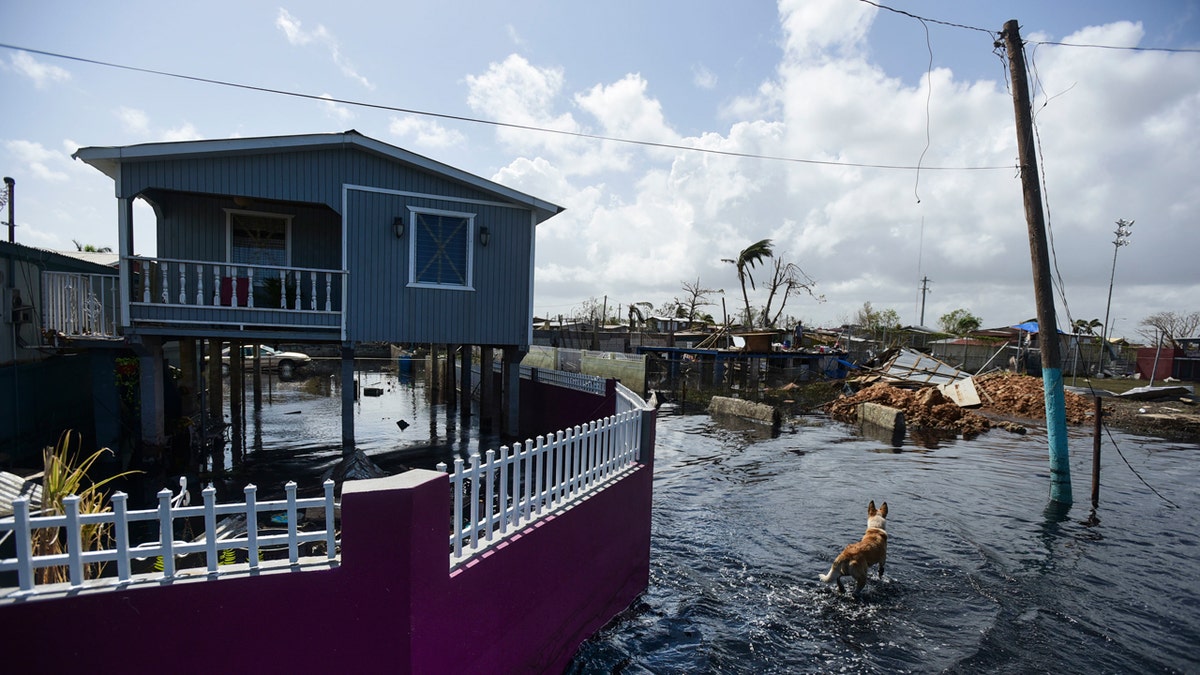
413	233
287	232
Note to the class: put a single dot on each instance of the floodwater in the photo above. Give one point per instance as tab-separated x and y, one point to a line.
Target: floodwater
297	435
984	574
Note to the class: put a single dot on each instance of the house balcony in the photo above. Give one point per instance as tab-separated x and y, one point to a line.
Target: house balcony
169	296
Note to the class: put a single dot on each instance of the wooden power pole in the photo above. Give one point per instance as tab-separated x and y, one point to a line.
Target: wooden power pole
1052	382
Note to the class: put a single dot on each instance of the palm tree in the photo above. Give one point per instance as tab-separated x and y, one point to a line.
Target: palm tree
746	260
90	248
1085	327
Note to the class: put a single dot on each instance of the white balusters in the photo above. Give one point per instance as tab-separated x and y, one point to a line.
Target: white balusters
249	286
183	283
313	296
328	292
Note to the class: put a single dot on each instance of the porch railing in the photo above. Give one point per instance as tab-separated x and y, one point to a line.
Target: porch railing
524	482
195	283
80	305
170	509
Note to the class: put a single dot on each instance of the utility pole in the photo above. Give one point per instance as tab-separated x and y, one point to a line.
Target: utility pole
924	290
9	185
1122	239
1052	382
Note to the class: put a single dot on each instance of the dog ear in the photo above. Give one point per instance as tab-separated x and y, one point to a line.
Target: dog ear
883	510
871	508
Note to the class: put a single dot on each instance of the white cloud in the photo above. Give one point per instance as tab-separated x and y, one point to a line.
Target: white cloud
296	35
342	114
425	132
134	121
42	74
513	35
40	162
703	78
184	132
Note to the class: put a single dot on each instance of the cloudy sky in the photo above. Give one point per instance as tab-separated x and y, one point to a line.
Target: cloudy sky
818	112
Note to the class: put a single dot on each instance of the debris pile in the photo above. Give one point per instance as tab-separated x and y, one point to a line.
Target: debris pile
1009	393
925	409
1002	392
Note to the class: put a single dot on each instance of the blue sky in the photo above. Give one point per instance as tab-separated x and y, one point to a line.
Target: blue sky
828	80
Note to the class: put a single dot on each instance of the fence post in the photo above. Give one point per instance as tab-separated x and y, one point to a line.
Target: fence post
24	543
121	532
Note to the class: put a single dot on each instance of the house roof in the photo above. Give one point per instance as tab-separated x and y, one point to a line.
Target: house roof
108	159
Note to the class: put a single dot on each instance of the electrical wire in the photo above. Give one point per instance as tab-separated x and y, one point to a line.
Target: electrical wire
494	123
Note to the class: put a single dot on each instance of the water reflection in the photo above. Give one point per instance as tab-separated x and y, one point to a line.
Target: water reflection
294	431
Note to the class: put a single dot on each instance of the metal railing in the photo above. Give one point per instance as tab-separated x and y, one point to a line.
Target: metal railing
80	305
495	497
170	509
195	283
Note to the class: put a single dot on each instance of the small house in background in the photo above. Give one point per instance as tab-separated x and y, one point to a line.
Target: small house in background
45	388
324	238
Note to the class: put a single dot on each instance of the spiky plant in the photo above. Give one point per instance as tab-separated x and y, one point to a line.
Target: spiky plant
65	474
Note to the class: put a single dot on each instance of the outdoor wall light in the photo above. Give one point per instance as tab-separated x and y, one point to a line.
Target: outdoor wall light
484	235
398	227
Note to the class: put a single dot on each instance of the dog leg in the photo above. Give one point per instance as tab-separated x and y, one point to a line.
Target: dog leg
881	562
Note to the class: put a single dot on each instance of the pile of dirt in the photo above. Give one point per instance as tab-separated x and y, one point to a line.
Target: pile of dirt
925	409
1007	393
1003	394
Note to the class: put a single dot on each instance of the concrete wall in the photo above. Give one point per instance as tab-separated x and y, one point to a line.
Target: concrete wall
545	407
391	606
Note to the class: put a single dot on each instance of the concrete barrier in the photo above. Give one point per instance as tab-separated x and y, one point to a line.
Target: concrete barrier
881	421
759	412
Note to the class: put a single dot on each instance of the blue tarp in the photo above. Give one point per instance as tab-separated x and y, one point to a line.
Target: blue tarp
1028	327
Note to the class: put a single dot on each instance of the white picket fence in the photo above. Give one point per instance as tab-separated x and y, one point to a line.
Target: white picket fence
170	508
498	496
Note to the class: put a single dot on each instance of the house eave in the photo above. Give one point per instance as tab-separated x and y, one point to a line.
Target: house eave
108	159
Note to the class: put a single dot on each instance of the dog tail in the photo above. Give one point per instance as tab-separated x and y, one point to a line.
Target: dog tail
835	571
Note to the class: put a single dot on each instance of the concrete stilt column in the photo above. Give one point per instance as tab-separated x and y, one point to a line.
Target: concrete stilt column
150	361
465	383
450	391
510	394
487	389
348	395
216	392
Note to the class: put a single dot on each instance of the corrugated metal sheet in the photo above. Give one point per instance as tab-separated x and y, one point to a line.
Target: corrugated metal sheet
13	487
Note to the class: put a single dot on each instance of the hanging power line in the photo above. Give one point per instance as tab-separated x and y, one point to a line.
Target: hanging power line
925	19
495	123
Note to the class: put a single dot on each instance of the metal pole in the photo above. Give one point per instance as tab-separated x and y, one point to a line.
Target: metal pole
9	186
1122	232
1052	383
1099	416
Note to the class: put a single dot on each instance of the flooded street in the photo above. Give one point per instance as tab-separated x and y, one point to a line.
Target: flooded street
982	575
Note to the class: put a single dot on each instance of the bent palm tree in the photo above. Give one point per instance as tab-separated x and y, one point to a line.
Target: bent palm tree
746	260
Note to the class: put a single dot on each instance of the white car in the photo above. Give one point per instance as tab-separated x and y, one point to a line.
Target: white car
286	362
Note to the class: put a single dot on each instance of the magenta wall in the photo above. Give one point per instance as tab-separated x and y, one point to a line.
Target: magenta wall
391	606
545	406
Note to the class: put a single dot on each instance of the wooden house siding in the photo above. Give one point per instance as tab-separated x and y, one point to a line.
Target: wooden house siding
383	306
342	193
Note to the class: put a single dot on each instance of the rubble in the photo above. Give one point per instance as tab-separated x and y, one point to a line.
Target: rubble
1002	393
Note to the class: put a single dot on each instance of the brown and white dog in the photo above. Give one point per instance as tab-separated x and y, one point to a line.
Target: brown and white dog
855	559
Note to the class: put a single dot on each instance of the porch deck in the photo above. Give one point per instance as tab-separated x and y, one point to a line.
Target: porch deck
206	298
